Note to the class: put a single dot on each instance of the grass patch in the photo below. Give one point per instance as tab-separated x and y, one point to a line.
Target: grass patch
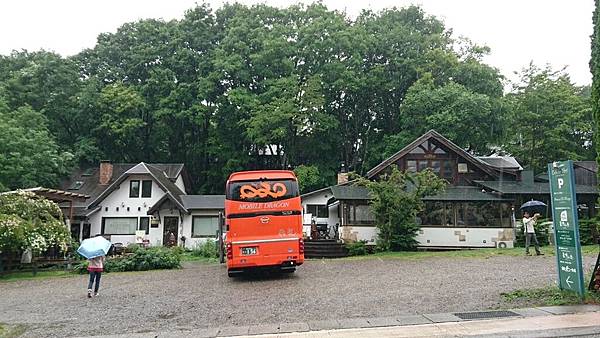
191	257
8	331
20	275
467	253
550	296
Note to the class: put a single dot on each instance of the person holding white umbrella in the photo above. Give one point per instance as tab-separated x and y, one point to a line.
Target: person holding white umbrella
95	250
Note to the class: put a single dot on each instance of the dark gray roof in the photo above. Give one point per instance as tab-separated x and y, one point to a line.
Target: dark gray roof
164	180
164	173
192	202
350	192
465	193
589	165
539	188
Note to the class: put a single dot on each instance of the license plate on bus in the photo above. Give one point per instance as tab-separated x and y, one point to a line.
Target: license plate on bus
252	250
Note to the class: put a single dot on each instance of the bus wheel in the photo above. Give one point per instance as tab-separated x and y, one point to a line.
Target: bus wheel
233	273
288	270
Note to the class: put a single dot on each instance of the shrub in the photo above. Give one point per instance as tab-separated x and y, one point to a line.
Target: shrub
206	249
140	260
585	230
357	248
28	221
397	198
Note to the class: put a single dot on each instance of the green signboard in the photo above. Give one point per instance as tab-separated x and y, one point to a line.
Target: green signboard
566	226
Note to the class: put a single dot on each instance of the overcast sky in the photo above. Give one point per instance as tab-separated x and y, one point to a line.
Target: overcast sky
517	31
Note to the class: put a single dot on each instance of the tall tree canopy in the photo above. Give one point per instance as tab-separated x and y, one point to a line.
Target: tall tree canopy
254	87
550	119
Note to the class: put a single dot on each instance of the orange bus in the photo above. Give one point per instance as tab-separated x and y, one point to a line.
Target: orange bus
263	216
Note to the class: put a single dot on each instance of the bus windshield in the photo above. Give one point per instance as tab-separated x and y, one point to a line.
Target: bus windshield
263	190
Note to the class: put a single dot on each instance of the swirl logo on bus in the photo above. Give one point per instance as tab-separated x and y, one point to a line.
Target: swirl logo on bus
263	190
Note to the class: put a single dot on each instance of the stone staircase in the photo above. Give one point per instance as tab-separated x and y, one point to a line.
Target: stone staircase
326	248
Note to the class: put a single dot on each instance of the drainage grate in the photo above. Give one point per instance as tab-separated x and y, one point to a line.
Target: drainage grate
486	314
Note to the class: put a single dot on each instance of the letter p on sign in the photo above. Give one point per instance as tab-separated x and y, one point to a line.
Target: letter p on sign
561	182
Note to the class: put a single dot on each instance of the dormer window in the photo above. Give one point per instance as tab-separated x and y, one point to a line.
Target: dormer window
134	188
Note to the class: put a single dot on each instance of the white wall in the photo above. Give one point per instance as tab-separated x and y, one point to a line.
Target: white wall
438	236
179	183
120	198
320	198
463	237
359	233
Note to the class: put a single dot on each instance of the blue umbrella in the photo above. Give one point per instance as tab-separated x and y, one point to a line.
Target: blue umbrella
533	206
94	247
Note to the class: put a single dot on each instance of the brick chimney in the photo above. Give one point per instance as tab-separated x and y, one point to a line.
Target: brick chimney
106	171
342	176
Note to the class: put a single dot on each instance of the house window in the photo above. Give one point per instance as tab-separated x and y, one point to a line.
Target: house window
145	224
147	188
134	188
119	225
318	210
205	226
411	166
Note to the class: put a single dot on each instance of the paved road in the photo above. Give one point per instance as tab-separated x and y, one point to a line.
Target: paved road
203	296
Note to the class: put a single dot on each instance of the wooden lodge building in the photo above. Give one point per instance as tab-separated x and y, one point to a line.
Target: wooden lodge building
479	207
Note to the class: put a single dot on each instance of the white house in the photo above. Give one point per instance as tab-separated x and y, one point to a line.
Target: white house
147	200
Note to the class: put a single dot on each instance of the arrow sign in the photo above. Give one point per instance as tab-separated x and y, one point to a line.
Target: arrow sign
569	281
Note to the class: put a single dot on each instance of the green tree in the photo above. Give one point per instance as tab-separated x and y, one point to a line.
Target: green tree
48	84
396	201
550	119
472	120
29	155
122	122
310	178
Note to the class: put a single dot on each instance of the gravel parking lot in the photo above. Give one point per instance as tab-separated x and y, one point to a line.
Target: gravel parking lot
202	295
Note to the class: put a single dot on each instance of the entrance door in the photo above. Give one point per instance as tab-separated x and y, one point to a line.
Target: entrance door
75	231
86	231
170	231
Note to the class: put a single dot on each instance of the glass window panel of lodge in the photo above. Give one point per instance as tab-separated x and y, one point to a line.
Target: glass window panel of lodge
360	214
447	170
436	166
411	166
437	214
484	214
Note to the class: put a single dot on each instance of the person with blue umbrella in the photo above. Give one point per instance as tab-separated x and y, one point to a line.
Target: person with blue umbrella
529	222
95	250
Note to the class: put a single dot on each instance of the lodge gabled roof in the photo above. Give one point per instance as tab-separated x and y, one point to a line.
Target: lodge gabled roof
488	168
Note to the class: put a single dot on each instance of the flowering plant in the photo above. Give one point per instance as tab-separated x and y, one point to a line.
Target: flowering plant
31	221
